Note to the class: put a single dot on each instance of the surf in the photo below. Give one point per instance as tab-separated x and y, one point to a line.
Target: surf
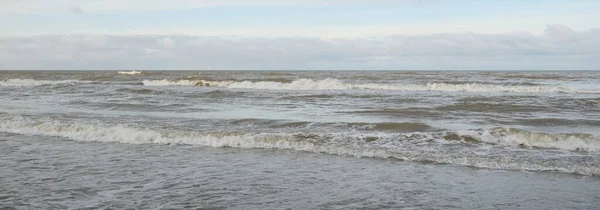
17	82
336	84
428	147
130	72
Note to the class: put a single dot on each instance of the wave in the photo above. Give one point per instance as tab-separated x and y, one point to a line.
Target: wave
392	127
130	72
271	123
552	76
408	112
335	84
558	122
138	91
420	147
384	127
185	82
522	138
491	107
31	82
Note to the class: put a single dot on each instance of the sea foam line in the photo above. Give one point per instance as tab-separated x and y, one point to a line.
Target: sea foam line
32	82
130	72
335	84
414	147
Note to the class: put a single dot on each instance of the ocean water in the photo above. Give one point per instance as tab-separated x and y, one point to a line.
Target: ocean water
300	139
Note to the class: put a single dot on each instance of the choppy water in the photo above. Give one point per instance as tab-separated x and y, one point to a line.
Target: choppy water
438	128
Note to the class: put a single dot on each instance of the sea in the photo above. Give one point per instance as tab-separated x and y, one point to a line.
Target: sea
299	139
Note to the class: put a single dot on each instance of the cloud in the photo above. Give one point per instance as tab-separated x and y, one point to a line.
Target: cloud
151	51
76	10
95	41
166	42
94	6
561	32
558	48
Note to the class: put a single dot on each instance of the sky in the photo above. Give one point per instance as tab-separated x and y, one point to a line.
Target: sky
299	35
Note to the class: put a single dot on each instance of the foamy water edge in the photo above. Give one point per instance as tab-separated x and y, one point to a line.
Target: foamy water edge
386	146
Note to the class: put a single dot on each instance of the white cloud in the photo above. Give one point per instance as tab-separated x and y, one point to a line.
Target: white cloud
102	6
558	48
95	41
60	22
151	51
487	26
76	10
561	32
166	42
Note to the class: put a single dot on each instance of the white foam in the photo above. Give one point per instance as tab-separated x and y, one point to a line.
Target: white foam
419	147
165	82
31	82
335	84
185	82
130	72
518	137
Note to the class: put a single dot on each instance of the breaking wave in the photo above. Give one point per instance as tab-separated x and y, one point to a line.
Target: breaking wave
130	72
185	82
31	82
523	138
335	84
415	146
392	127
138	91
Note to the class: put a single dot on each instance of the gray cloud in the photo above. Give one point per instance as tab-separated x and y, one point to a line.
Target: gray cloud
166	42
76	10
558	48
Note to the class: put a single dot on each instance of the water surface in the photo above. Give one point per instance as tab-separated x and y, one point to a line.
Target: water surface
506	135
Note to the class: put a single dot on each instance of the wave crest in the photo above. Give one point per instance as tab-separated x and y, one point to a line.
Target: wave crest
185	82
335	84
421	147
31	82
565	141
521	138
130	72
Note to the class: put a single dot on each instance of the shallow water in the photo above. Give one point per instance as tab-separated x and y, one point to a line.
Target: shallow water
54	173
484	128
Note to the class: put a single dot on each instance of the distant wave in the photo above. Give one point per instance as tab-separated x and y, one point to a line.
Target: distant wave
392	127
186	82
31	82
130	72
417	146
138	91
388	127
335	84
165	82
